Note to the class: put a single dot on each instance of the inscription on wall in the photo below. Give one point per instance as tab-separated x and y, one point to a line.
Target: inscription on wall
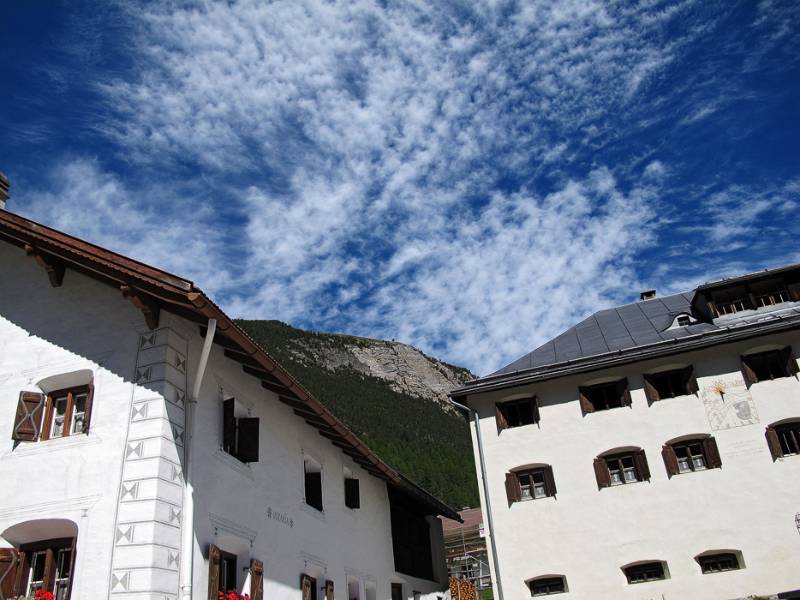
280	517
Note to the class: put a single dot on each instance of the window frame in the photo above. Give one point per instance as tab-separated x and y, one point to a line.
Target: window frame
633	571
307	459
784	363
776	438
515	487
548	581
504	410
50	549
604	473
48	420
704	559
621	391
227	558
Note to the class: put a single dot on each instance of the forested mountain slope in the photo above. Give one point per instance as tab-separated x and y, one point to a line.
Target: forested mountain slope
391	395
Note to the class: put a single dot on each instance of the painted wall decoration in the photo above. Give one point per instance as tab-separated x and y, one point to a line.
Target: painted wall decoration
728	402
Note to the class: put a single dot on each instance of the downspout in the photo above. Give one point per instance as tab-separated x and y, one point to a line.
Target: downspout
489	519
187	533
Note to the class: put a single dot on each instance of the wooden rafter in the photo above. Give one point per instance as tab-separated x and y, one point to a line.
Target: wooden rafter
54	267
149	308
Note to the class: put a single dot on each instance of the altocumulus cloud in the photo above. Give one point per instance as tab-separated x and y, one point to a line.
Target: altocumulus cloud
431	172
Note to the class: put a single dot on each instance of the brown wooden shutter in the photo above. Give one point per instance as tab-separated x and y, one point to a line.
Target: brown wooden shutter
9	559
328	589
586	405
500	418
691	380
773	443
601	473
306	587
89	401
229	426
650	391
670	460
513	489
549	481
642	468
214	559
747	373
791	362
256	579
624	392
535	409
247	450
352	497
29	417
711	451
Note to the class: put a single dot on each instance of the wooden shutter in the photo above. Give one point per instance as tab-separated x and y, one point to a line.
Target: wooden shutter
586	405
513	489
500	418
256	579
642	469
650	391
535	409
306	587
791	363
328	589
9	559
670	460
229	426
601	473
29	417
773	443
624	392
691	380
352	497
247	450
214	560
713	460
89	401
549	481
747	373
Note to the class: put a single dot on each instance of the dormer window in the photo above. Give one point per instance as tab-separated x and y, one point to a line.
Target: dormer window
684	320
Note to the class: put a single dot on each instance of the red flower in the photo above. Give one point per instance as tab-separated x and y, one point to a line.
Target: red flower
43	595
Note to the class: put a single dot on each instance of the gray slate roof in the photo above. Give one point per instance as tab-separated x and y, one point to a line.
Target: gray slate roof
630	326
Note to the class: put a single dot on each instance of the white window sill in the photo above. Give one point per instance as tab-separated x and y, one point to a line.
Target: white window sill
234	463
52	445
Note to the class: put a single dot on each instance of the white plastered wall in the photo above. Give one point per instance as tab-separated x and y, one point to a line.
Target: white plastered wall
586	534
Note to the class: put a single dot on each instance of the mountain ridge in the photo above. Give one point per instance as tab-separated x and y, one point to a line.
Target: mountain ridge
390	394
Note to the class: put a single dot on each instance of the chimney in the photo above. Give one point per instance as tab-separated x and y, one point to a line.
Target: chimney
3	191
647	295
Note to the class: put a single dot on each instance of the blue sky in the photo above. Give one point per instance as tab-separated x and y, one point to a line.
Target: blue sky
469	177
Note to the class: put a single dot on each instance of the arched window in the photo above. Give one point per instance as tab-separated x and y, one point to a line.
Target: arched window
530	482
691	453
546	585
718	561
42	558
783	438
621	466
646	570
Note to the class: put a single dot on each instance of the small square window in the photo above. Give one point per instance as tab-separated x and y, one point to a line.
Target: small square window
517	413
717	563
66	412
622	469
536	483
546	586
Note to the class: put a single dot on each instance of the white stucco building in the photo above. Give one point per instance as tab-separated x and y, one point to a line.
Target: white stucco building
652	451
152	451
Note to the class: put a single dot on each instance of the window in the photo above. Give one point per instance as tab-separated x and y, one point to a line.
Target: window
516	413
59	414
45	566
669	384
644	572
313	483
771	364
784	439
718	562
530	484
397	591
308	587
352	497
227	572
731	301
684	320
621	468
239	434
544	586
772	297
605	396
695	454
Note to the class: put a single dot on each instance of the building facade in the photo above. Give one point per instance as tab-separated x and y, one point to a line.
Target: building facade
152	451
465	549
653	450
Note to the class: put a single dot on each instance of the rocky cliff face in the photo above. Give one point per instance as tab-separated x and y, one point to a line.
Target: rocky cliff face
403	367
